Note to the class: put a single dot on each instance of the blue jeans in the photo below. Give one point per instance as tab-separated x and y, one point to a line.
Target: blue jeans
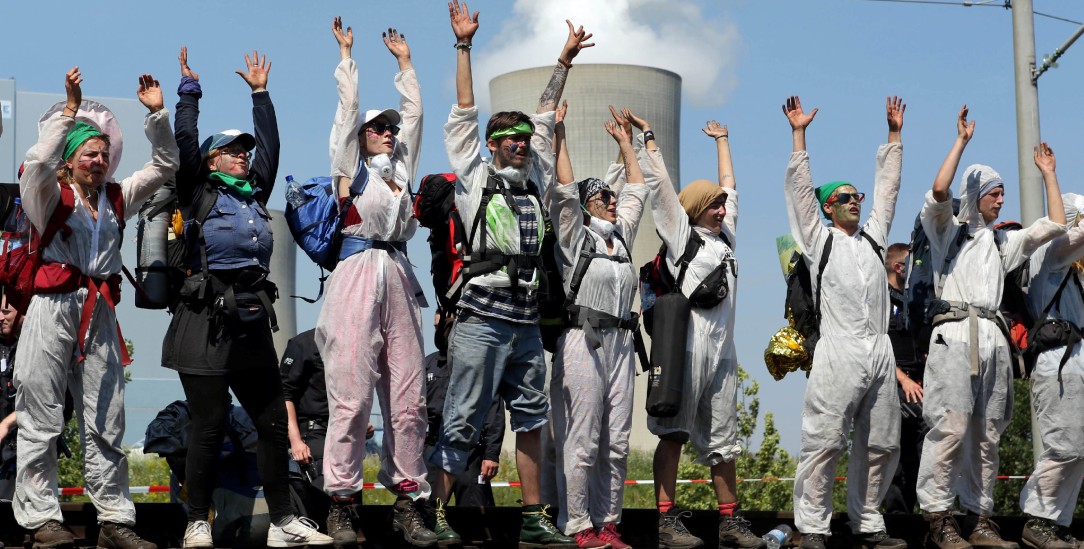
489	358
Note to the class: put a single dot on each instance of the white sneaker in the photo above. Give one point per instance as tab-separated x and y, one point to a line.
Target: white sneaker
198	535
298	532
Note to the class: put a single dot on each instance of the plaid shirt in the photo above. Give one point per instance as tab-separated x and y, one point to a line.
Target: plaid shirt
520	305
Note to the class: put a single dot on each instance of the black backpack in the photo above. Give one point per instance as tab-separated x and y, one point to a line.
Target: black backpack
921	288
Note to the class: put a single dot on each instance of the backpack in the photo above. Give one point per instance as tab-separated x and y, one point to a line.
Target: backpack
921	288
656	279
1014	301
434	208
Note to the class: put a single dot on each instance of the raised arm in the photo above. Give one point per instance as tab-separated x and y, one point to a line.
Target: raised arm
265	165
964	132
344	147
803	210
185	130
560	145
464	25
643	126
138	187
894	109
887	174
799	121
409	141
633	196
1047	164
576	41
37	185
722	149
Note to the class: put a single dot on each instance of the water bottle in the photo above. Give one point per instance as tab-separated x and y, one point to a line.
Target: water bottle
21	226
295	195
777	536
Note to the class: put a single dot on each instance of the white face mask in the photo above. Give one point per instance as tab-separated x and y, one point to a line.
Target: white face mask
381	164
601	227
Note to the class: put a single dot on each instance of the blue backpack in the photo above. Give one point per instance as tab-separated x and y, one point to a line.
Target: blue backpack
312	212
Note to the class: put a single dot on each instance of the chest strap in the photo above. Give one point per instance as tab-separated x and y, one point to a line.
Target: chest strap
62	278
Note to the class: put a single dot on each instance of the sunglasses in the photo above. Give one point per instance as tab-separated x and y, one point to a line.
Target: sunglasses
237	153
604	196
379	128
846	198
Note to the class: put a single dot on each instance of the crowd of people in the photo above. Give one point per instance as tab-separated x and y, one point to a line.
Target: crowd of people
515	190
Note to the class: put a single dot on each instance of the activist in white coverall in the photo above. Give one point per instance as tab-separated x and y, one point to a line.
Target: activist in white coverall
369	330
968	379
1057	391
592	377
853	381
49	346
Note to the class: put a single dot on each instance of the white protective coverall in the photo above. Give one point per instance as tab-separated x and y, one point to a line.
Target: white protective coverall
591	389
1054	486
48	346
853	381
967	411
708	417
369	331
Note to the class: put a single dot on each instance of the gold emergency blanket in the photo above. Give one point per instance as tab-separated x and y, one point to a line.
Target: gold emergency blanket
786	353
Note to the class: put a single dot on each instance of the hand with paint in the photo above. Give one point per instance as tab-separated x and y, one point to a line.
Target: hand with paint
464	25
150	93
396	43
1044	158
72	86
344	39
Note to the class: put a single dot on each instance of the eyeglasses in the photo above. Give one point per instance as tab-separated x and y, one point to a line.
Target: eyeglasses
845	198
379	128
236	153
604	196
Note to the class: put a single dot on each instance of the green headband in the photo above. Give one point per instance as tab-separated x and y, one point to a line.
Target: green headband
825	191
78	135
519	129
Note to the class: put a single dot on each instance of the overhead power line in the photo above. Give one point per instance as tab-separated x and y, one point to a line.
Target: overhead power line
1005	4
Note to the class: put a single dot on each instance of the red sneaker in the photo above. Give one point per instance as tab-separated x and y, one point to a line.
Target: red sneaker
588	538
608	533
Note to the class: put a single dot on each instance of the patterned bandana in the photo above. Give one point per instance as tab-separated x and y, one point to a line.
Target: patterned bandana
590	187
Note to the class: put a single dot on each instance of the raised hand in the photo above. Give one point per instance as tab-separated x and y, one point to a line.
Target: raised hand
73	81
344	39
964	130
576	41
715	131
150	94
185	69
562	111
894	108
396	44
256	71
640	123
621	119
1044	158
617	132
798	119
464	25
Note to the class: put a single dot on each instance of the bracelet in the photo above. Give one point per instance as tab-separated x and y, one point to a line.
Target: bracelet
727	137
564	63
67	108
463	46
649	136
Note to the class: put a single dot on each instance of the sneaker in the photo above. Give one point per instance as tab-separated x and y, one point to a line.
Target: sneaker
113	535
734	532
672	532
987	536
407	518
1041	533
538	531
438	523
878	540
813	541
944	532
299	531
608	533
53	534
340	525
589	539
198	535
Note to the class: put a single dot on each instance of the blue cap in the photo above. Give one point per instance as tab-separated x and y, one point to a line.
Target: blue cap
223	138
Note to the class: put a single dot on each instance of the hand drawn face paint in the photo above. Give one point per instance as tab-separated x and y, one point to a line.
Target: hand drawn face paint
89	163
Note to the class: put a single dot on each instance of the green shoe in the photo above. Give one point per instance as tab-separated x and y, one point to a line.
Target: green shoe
446	537
538	531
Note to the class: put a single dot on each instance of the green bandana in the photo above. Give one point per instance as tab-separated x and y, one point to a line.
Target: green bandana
825	191
518	129
243	187
78	135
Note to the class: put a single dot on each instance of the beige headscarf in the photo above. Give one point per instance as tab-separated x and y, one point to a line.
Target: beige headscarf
698	195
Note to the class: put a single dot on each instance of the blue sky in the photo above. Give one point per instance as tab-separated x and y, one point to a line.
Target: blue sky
739	60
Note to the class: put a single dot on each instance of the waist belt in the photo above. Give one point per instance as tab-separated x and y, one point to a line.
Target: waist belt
352	245
950	311
591	320
1051	334
62	278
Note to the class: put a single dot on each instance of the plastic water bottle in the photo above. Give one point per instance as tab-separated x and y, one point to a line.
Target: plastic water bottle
295	195
777	536
21	226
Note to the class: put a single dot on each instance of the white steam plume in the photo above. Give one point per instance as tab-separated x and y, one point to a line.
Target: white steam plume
674	35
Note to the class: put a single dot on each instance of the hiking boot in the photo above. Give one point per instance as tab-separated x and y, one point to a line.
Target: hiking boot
734	532
538	531
438	523
53	534
672	532
340	525
878	540
198	535
944	532
588	538
407	518
987	536
1043	534
1065	535
299	531
608	533
113	535
812	541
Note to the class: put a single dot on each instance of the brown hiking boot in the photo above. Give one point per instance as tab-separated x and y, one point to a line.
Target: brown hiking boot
944	532
407	518
672	532
340	525
53	534
1043	534
119	536
987	536
734	533
813	541
878	540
